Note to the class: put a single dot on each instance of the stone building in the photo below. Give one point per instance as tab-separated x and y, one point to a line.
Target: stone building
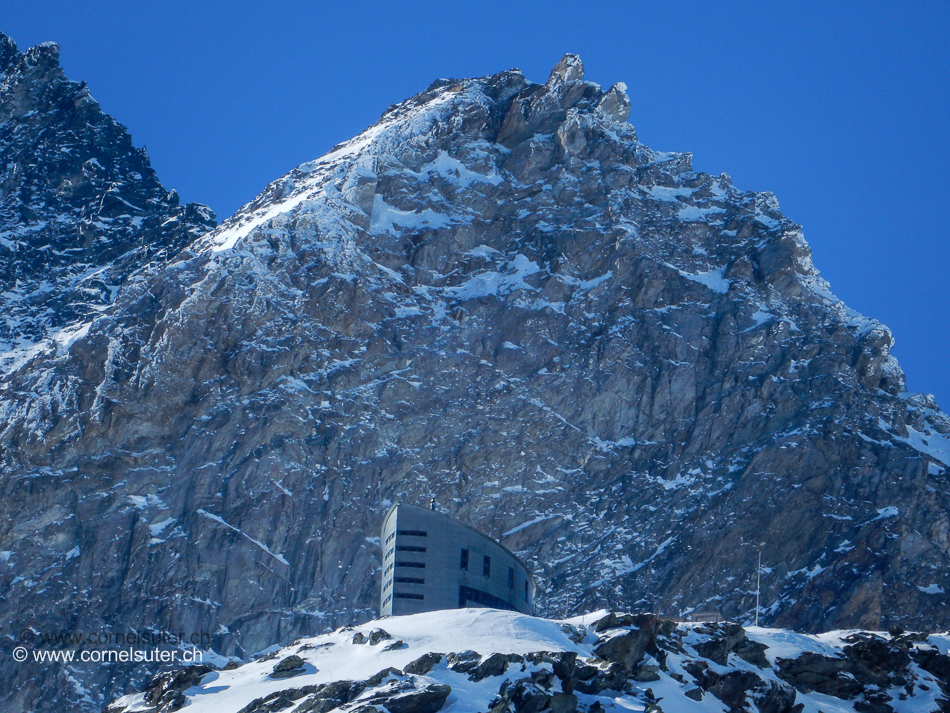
433	562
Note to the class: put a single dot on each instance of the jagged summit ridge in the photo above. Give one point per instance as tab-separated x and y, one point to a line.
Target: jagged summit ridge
629	372
80	208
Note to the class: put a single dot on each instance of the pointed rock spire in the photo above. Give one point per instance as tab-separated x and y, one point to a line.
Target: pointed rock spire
8	51
569	69
615	103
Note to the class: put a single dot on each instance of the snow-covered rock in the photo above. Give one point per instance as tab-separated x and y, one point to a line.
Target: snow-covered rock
81	209
474	660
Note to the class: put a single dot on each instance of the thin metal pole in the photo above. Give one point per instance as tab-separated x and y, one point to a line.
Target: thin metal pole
758	577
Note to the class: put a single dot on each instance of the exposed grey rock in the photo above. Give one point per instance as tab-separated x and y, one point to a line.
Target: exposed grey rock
426	700
377	678
377	635
494	665
81	209
612	677
528	696
733	688
731	638
644	673
814	672
164	692
422	665
776	697
288	667
626	649
563	703
289	664
464	661
279	700
331	696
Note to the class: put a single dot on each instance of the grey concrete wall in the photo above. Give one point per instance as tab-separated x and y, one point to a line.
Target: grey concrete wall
444	541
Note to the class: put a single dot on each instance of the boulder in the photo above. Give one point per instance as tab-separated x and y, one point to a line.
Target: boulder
427	700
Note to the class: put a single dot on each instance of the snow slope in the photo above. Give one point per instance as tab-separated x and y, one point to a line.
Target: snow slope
671	661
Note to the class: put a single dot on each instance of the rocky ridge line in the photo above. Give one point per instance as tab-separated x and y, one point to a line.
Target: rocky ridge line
80	207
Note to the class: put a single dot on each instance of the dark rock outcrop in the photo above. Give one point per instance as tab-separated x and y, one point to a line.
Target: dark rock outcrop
165	692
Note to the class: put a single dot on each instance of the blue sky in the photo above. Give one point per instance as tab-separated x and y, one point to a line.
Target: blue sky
841	109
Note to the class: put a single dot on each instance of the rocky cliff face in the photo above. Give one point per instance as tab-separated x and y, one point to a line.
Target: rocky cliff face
629	372
80	207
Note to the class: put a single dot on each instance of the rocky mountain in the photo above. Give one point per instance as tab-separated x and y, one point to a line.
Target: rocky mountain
80	207
629	372
482	660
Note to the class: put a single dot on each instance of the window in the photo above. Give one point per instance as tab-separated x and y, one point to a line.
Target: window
464	563
511	578
388	585
388	555
390	538
403	595
387	600
414	533
526	590
418	565
409	548
467	594
410	580
486	567
388	570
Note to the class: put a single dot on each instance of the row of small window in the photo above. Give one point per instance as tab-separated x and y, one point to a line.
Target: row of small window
401	595
403	580
414	533
408	533
468	594
417	565
404	548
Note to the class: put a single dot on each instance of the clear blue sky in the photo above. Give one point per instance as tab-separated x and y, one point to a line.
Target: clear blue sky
840	108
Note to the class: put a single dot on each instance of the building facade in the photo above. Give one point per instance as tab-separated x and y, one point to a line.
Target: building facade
433	562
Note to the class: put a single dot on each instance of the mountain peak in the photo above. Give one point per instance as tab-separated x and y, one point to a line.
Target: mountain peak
8	51
80	206
46	50
569	69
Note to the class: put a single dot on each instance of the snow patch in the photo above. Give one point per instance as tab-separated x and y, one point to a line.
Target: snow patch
713	279
385	218
486	284
889	511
